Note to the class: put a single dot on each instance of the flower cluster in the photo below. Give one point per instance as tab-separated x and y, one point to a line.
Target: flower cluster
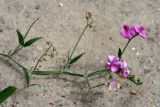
117	65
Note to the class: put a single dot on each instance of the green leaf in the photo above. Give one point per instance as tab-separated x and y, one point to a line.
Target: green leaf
31	41
76	58
27	76
4	94
119	53
20	38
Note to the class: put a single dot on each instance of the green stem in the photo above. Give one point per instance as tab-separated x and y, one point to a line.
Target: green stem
12	60
98	72
80	38
54	72
30	28
97	86
125	47
19	47
77	43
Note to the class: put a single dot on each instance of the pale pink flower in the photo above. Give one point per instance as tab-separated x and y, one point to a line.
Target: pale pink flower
113	63
113	85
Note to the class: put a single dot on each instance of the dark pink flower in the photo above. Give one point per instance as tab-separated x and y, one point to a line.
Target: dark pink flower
130	31
113	63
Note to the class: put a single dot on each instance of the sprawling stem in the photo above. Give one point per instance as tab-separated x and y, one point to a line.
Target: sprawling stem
7	56
55	72
63	72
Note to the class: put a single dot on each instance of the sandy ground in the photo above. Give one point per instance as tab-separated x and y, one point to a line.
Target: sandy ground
62	25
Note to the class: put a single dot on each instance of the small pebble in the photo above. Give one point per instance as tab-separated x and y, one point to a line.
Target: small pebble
133	48
136	91
82	50
60	4
39	48
158	9
137	54
101	62
146	71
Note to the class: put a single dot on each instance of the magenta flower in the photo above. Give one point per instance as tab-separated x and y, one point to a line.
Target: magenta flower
130	31
113	63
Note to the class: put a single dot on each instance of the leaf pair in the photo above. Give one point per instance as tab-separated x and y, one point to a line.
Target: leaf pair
22	42
5	93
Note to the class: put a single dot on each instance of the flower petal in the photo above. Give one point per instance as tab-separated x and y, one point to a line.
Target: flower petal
125	72
115	67
108	65
123	64
113	85
140	30
132	31
128	32
113	58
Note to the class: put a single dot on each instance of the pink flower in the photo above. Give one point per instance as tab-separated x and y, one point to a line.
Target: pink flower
113	63
130	31
113	85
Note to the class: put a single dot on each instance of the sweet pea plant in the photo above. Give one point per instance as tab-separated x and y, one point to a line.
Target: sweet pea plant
114	64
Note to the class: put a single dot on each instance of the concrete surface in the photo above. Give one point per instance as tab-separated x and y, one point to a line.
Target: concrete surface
62	25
